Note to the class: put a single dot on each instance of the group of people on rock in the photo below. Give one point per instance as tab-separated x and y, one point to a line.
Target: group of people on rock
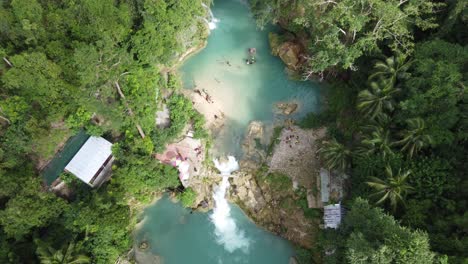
289	139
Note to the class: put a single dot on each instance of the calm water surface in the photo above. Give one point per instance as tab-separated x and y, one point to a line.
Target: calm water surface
180	237
247	92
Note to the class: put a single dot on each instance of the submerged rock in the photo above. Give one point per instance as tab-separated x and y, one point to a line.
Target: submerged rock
143	245
287	108
252	146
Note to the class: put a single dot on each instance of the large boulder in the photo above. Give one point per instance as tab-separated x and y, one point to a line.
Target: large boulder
253	145
275	43
290	52
287	108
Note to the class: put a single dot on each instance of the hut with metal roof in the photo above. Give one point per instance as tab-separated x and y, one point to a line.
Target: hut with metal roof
332	215
92	163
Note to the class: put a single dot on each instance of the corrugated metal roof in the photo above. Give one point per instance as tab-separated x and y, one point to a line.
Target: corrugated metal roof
332	215
90	158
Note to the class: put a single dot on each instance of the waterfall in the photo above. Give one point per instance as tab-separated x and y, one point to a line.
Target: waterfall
211	21
226	230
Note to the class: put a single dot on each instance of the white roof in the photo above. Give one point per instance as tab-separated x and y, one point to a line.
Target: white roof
332	215
89	159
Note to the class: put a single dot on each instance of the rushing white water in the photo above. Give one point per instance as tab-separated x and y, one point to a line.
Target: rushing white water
212	21
226	230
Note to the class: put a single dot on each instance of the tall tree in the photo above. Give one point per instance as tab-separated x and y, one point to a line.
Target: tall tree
376	100
391	69
415	137
343	31
393	188
335	155
372	236
378	141
70	253
436	90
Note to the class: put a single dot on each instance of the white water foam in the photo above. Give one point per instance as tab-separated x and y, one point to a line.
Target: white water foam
212	23
226	230
212	20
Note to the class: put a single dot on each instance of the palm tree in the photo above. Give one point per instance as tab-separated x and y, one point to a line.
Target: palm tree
393	188
378	141
391	69
69	254
374	101
414	137
335	155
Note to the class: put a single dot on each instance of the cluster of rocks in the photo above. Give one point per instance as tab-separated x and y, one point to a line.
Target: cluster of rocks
287	108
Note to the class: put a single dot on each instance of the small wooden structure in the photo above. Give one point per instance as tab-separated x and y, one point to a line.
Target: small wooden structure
332	215
92	163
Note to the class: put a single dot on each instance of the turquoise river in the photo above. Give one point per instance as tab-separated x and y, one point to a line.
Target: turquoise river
246	93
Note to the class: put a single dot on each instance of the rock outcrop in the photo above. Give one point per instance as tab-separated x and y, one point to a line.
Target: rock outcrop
287	108
290	51
254	139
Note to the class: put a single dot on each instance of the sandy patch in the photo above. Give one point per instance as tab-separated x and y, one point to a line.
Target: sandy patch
208	106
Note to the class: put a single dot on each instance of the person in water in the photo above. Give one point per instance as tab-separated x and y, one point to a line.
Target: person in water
250	61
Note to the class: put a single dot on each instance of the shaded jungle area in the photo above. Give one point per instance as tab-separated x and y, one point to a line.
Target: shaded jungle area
396	118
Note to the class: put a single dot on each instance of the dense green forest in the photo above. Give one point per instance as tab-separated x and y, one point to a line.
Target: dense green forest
63	63
397	119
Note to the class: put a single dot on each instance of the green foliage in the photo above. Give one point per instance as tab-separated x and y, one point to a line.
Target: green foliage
141	177
68	254
79	119
377	140
37	209
158	40
104	219
415	137
181	113
393	188
275	138
38	79
14	108
187	197
375	237
303	256
437	82
431	178
66	59
346	30
335	155
377	100
278	183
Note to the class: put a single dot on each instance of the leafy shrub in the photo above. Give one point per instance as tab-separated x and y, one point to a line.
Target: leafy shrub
187	197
